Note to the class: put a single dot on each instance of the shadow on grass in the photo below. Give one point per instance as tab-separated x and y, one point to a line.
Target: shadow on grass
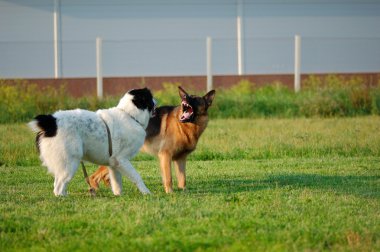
363	186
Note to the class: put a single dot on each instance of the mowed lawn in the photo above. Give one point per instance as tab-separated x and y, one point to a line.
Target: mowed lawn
253	185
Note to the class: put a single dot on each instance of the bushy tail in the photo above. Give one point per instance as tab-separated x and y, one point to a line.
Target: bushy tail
45	125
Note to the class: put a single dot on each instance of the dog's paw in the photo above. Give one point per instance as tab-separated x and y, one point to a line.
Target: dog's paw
182	189
118	193
92	192
146	192
169	190
58	195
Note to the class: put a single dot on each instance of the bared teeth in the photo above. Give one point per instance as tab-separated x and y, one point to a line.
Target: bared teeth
187	111
185	105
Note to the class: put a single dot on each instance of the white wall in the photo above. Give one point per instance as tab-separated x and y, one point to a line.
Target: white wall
167	37
25	38
337	36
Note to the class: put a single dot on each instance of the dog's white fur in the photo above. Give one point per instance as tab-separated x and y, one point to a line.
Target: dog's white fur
82	135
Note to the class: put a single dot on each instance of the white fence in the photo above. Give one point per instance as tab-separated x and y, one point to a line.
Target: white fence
181	57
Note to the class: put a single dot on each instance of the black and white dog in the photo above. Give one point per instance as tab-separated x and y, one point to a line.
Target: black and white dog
106	137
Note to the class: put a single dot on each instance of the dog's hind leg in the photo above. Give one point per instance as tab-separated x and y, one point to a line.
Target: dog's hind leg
101	174
115	179
180	170
63	175
60	184
125	167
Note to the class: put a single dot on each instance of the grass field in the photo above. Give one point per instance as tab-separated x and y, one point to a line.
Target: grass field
253	185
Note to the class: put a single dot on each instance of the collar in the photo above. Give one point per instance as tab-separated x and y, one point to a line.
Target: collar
134	118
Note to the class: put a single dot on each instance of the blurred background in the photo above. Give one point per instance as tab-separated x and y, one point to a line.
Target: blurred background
57	38
256	53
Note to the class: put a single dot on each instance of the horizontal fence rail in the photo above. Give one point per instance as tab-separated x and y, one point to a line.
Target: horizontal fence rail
191	57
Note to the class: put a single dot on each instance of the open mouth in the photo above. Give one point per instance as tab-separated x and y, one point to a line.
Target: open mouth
187	112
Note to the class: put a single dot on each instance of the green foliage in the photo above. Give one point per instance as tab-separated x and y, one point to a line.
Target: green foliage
319	97
322	97
244	100
375	100
336	96
21	102
168	95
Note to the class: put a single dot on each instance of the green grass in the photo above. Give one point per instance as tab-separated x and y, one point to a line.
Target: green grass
227	139
253	185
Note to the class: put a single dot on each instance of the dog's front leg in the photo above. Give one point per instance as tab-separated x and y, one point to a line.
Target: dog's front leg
180	170
126	168
166	173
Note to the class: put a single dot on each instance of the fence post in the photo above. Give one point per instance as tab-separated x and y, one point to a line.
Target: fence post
57	38
297	63
209	63
99	74
240	37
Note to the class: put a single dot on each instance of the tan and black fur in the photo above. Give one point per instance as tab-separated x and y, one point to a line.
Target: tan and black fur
171	136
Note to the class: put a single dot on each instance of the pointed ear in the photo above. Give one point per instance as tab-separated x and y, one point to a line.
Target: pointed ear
182	93
209	97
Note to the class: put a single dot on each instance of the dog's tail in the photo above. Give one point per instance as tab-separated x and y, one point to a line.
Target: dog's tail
45	125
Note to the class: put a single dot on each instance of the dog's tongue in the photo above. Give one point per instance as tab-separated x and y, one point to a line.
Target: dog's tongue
185	116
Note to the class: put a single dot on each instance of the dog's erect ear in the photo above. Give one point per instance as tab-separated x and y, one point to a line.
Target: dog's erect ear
209	97
182	93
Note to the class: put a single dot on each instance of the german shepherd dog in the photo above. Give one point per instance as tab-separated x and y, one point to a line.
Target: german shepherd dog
171	135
